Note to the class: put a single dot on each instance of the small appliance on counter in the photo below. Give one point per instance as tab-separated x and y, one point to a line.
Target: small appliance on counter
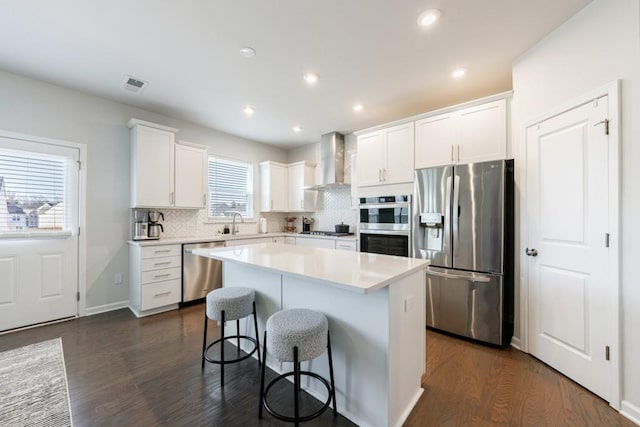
306	224
154	224
290	228
140	225
262	227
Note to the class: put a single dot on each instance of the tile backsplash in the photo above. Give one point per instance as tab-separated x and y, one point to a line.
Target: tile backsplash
332	207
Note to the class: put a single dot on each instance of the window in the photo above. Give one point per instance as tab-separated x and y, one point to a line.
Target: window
32	191
230	188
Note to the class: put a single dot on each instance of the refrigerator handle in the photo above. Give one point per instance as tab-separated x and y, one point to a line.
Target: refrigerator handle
455	214
447	216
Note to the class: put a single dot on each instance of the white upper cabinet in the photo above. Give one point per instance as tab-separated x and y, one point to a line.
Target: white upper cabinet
274	188
152	164
301	175
165	174
190	175
386	156
473	134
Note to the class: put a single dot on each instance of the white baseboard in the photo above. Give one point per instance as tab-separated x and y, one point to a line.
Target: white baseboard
515	343
90	311
630	411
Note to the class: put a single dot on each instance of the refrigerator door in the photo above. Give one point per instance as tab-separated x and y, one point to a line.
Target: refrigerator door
465	303
431	215
478	216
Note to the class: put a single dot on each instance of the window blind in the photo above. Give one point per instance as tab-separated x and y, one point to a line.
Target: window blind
32	192
230	188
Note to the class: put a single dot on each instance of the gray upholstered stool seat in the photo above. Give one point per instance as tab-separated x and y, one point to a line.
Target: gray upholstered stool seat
302	328
237	302
297	335
224	304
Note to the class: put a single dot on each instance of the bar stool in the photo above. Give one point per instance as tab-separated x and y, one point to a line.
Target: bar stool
225	304
297	335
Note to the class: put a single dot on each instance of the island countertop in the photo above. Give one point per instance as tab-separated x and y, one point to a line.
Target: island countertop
356	271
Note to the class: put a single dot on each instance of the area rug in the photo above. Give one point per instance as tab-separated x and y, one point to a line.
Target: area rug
33	386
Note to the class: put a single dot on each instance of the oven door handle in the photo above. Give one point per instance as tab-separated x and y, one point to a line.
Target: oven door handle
384	205
391	232
467	277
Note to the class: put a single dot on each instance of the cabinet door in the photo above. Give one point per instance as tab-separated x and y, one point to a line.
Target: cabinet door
316	243
398	154
300	176
434	140
482	133
274	187
370	158
152	167
190	176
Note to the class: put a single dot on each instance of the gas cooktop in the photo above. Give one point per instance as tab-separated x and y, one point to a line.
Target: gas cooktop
326	233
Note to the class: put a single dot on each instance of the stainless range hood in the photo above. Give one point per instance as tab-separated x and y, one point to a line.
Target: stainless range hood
331	173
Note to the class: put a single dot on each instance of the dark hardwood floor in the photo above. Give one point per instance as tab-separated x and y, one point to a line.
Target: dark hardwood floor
125	371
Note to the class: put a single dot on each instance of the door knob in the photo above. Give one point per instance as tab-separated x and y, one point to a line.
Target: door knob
531	252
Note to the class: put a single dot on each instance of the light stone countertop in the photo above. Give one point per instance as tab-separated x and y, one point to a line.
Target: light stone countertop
225	237
355	271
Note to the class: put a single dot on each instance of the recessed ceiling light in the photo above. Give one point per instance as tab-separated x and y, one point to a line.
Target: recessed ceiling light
311	78
459	73
297	129
428	17
357	107
247	52
249	110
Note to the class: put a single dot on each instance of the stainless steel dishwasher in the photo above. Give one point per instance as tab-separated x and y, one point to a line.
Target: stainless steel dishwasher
200	275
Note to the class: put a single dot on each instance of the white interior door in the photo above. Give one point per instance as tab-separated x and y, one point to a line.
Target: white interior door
570	299
38	232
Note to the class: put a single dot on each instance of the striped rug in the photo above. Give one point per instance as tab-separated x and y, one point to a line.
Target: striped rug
33	386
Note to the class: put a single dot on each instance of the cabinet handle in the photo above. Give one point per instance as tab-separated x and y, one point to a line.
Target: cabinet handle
458	159
164	251
384	175
162	263
301	204
379	175
162	294
171	198
204	199
451	153
157	276
271	205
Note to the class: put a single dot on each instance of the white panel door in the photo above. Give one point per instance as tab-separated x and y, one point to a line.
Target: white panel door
570	304
39	258
190	176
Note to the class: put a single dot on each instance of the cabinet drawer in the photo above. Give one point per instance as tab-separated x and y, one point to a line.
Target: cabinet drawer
160	263
161	251
160	275
160	294
346	246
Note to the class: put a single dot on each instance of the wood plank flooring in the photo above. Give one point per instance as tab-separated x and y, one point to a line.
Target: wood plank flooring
126	371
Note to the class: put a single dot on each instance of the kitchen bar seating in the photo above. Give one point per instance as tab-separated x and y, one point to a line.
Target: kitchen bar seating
297	335
223	305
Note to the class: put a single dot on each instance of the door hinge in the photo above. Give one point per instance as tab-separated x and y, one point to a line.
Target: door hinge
79	164
77	296
607	240
605	122
606	353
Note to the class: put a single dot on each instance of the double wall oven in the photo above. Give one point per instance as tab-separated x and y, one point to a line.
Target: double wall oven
385	225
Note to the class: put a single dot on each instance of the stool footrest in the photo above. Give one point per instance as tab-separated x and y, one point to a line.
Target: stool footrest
302	418
219	362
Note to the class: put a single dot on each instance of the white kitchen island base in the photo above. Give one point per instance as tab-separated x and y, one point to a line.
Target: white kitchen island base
377	332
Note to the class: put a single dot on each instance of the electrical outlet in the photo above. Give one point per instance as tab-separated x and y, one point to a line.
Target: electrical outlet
408	303
117	279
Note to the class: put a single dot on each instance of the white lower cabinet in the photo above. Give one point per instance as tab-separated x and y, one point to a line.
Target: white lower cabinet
289	240
316	243
155	278
346	245
251	241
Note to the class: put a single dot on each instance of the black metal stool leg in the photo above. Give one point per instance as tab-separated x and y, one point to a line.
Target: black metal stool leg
204	337
333	386
238	334
255	324
296	386
264	357
222	351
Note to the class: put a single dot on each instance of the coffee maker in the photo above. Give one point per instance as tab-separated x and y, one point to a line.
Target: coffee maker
140	225
154	224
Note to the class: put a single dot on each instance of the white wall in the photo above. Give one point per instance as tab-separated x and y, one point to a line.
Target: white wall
36	108
598	45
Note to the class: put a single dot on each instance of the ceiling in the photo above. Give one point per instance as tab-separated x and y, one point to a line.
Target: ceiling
367	51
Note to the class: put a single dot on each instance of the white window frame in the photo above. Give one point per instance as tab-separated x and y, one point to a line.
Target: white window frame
250	190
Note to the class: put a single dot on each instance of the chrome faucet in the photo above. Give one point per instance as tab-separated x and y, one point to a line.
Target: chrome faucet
234	230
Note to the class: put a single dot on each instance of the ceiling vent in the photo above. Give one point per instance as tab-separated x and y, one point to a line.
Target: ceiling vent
133	84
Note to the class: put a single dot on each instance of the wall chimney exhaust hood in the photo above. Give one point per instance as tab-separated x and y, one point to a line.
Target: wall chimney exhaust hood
331	173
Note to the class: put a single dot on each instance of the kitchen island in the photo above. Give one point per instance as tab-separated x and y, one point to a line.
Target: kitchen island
376	310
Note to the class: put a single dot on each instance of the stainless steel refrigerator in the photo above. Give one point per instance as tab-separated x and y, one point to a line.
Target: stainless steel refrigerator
463	223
